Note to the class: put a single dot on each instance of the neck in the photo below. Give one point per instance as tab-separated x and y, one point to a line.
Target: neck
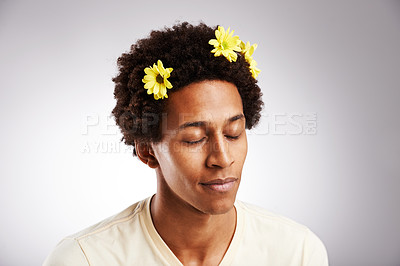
193	236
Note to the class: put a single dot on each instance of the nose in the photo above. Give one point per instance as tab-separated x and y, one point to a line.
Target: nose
219	155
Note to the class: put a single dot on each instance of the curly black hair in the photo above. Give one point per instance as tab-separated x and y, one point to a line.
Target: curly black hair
185	48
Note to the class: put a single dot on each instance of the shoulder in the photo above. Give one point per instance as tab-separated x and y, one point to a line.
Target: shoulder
282	235
267	219
67	252
71	250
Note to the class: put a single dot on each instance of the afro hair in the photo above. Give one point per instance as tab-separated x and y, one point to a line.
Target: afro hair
185	48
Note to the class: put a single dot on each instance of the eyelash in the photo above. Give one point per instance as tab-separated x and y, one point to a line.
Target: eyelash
233	137
194	142
201	140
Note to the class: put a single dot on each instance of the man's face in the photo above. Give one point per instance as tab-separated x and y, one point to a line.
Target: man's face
203	147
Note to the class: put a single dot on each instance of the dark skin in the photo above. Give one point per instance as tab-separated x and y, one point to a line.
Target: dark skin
198	163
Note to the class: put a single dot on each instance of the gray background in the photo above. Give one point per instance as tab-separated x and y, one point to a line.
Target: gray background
338	60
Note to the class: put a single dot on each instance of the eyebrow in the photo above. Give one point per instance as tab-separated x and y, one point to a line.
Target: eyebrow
203	123
193	124
236	117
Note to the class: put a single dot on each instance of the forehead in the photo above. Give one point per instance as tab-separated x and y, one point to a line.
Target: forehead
210	101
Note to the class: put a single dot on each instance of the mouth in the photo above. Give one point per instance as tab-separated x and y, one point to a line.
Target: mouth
220	185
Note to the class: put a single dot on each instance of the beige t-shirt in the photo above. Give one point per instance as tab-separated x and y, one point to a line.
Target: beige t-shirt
130	238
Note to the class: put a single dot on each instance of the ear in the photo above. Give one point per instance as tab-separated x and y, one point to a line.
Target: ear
145	153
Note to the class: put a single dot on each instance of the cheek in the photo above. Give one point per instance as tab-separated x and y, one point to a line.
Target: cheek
241	150
184	161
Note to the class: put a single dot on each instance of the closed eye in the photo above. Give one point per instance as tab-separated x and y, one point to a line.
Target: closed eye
233	137
193	142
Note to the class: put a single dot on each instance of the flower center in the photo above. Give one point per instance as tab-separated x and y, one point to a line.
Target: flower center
224	45
159	79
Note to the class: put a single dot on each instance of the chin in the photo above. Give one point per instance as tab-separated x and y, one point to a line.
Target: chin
220	206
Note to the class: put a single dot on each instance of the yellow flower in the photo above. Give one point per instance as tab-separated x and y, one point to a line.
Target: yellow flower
225	44
248	51
254	69
155	80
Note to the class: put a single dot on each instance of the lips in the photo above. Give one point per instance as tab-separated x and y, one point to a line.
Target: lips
220	185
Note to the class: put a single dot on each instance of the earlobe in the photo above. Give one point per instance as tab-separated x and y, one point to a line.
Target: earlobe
146	154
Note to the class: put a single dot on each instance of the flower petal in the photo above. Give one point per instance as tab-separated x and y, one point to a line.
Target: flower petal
156	88
220	32
150	90
160	65
149	84
149	71
213	42
148	78
167	83
163	89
